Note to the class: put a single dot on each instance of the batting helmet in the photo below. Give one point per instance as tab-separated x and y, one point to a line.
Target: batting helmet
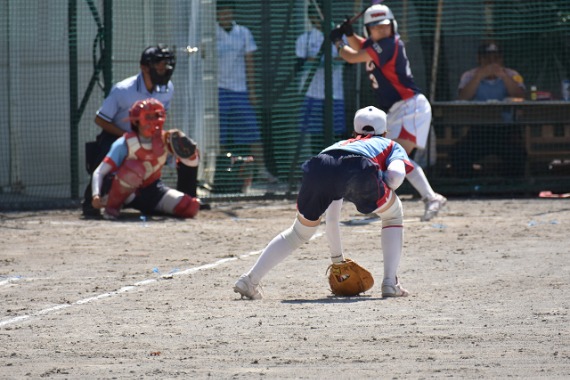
370	121
379	14
153	55
147	117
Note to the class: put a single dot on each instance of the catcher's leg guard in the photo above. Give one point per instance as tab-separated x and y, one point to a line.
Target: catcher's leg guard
279	248
128	178
187	207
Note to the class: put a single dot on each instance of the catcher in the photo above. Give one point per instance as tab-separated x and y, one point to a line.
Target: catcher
129	175
365	170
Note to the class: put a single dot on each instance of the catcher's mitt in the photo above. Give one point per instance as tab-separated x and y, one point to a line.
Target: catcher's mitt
348	278
179	144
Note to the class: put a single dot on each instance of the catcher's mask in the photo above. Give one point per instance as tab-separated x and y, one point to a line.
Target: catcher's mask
153	57
147	117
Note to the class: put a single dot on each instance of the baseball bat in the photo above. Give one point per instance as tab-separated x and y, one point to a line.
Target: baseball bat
361	13
353	18
357	16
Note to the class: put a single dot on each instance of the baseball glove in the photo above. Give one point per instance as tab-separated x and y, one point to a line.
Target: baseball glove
347	278
179	144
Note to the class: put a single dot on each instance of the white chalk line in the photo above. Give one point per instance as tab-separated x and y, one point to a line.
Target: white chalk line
124	289
127	288
10	280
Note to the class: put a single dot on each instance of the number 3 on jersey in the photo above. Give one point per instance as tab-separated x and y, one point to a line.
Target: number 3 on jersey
370	69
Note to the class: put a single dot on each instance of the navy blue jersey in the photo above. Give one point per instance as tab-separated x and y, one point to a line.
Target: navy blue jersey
389	71
350	169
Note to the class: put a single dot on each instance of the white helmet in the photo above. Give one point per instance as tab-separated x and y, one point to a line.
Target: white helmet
370	121
378	14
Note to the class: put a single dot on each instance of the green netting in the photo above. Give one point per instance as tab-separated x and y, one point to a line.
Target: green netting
61	57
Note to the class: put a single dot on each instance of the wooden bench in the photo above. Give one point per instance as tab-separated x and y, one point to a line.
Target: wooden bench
544	127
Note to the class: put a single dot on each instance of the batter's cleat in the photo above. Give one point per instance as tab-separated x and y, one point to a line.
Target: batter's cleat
248	289
433	206
389	290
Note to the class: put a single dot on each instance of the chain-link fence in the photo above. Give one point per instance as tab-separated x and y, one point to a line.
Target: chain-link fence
61	57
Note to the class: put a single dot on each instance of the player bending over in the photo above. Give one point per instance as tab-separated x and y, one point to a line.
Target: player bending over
365	170
129	175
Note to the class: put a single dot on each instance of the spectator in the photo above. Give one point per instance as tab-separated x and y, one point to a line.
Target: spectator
491	80
236	90
129	175
488	150
307	49
157	65
388	68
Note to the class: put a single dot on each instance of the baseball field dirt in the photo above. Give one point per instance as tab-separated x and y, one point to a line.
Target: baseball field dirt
84	299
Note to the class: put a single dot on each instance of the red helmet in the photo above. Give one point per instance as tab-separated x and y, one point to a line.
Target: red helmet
147	116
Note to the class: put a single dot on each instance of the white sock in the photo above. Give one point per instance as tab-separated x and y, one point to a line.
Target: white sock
279	248
332	229
275	252
419	181
392	242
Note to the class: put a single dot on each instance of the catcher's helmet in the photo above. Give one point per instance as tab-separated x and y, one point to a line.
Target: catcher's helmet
153	55
370	121
147	117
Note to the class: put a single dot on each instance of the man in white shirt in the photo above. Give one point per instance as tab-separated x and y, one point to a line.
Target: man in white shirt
236	89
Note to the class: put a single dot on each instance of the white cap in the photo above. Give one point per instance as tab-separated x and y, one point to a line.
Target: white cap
370	121
378	14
